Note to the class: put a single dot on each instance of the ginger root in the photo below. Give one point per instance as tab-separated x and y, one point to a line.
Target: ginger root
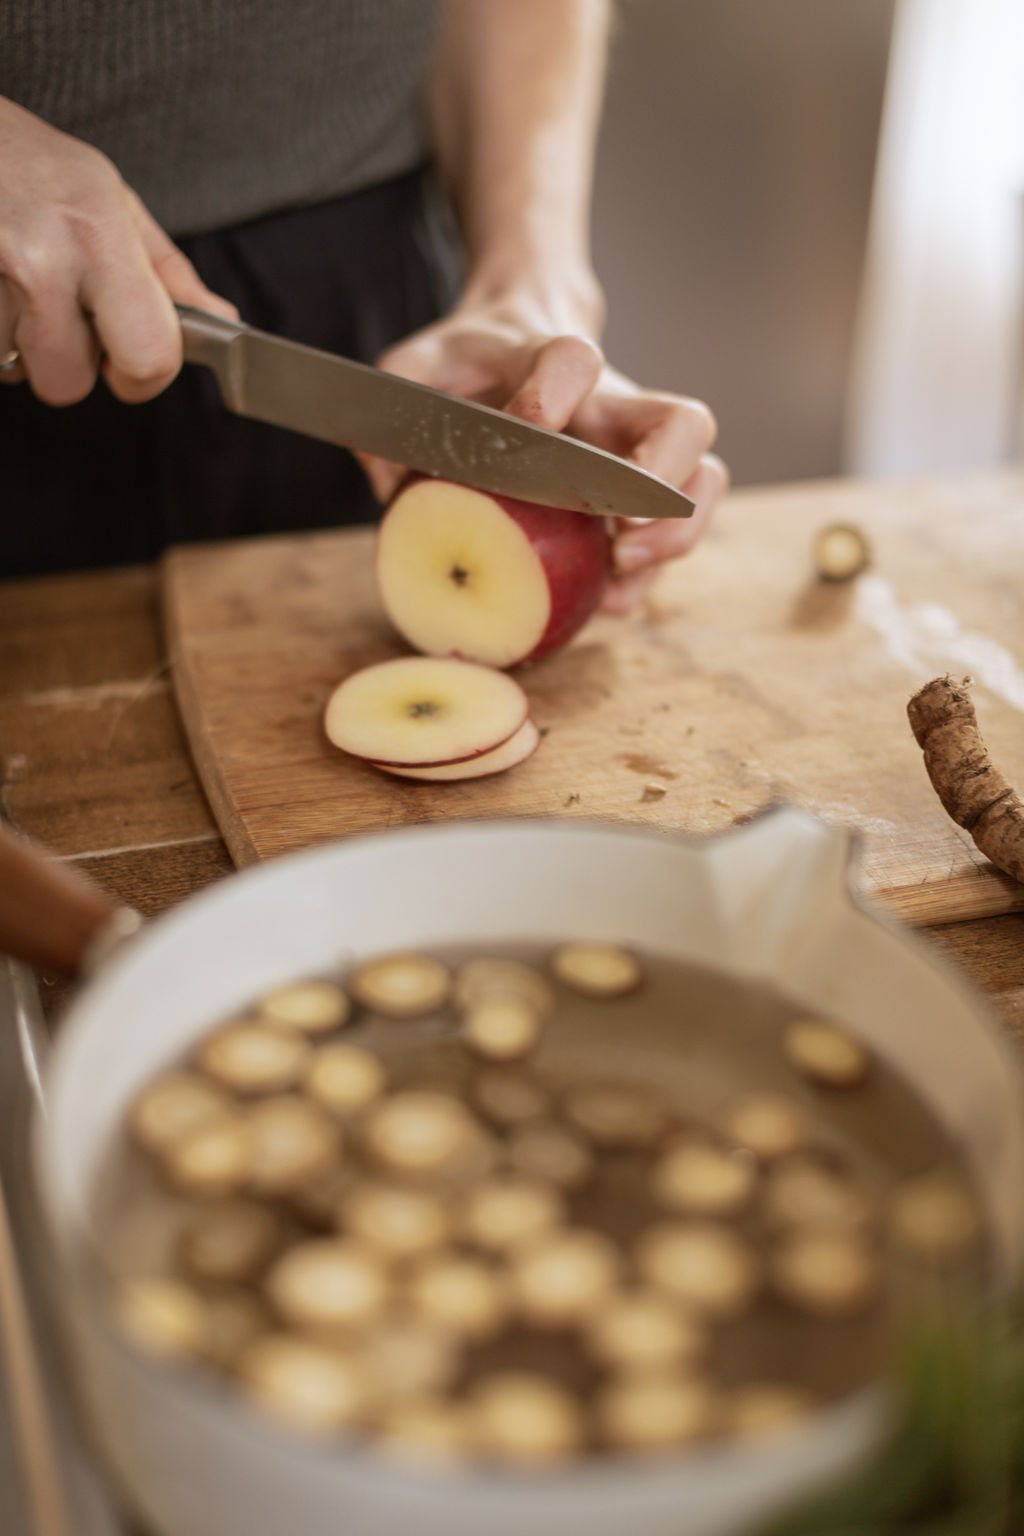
970	787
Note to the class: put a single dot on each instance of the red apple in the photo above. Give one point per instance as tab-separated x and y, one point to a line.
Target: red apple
488	578
509	755
421	711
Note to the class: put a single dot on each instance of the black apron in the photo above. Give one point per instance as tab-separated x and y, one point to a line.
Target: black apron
102	483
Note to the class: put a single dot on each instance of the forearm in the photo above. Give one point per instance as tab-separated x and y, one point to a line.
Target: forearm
515	100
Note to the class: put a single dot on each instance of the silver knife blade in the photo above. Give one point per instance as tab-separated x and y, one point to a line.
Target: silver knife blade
355	406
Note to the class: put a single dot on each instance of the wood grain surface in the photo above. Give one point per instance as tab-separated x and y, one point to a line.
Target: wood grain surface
93	760
743	680
86	632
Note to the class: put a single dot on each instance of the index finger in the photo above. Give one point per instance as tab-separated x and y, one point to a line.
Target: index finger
563	372
134	317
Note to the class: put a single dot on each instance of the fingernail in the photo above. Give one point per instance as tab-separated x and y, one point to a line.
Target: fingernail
631	557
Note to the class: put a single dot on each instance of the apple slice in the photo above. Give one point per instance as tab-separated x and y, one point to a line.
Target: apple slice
421	711
509	755
488	578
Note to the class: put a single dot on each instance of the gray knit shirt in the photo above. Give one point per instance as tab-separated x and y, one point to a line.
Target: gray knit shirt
217	111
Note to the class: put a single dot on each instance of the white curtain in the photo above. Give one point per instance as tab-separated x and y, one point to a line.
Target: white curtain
936	383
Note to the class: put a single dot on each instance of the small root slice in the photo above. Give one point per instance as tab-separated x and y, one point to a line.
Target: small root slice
520	1417
840	552
402	986
825	1054
329	1283
972	790
597	970
251	1058
163	1317
502	1028
313	1007
345	1078
302	1383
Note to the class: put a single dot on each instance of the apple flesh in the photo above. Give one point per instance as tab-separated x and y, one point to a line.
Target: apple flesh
421	711
509	755
488	578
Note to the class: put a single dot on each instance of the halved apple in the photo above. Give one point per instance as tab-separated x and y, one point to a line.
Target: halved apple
509	755
422	711
488	578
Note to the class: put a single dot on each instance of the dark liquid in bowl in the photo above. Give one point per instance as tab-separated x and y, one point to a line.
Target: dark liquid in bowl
704	1039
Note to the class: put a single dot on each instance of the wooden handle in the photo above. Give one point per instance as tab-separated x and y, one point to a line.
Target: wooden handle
49	914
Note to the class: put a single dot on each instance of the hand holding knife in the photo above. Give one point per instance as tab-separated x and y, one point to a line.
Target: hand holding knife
356	406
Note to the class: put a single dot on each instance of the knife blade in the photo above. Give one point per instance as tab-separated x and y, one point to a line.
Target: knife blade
356	406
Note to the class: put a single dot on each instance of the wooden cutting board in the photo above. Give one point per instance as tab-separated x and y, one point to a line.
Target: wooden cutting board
743	680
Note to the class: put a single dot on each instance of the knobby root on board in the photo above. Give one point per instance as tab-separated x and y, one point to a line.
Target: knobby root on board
972	790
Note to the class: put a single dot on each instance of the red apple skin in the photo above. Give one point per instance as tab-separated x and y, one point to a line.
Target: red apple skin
575	550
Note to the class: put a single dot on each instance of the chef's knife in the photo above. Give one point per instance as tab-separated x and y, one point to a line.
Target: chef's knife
356	406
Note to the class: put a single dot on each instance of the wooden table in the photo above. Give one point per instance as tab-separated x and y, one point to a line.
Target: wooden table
94	763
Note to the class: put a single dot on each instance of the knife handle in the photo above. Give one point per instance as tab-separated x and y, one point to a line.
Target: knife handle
210	341
51	917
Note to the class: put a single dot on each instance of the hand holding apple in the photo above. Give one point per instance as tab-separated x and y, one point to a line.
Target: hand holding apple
532	353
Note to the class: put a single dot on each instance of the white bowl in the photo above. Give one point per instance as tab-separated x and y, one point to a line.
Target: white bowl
769	901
